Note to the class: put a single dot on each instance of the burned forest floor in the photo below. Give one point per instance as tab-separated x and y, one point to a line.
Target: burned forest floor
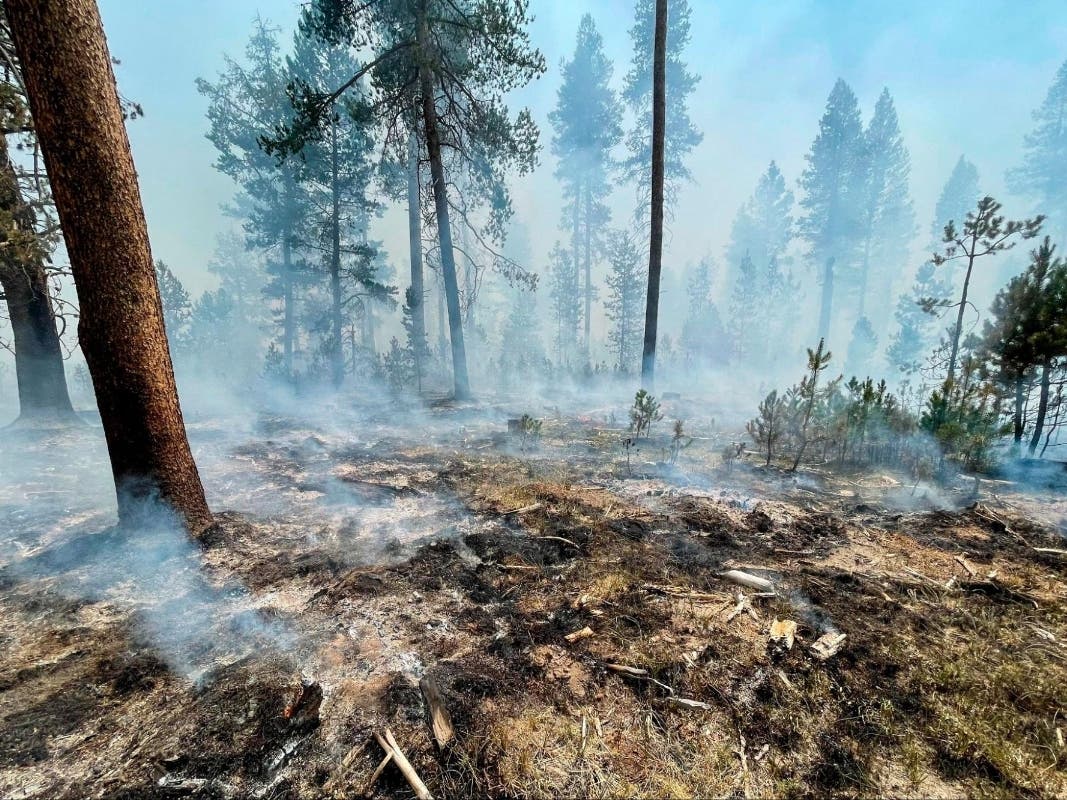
551	618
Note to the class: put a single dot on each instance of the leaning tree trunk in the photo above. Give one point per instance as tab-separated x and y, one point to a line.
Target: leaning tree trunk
1017	415
38	356
1042	405
957	331
75	107
460	381
655	251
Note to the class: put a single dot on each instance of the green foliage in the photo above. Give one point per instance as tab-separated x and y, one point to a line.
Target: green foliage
703	341
679	441
961	417
803	398
887	216
681	135
625	305
177	307
645	411
529	430
756	255
565	294
833	183
1042	176
587	122
767	429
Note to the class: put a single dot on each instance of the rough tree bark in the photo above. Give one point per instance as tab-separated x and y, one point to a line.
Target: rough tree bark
418	312
460	381
75	107
655	254
42	383
1042	405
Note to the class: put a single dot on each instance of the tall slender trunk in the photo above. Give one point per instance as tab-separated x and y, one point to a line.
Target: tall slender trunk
42	384
288	317
865	269
71	88
460	381
826	307
1017	416
579	268
1042	405
588	270
368	326
336	353
655	252
442	340
957	333
418	311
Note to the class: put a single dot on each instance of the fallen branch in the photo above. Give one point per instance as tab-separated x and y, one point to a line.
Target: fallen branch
389	745
747	579
680	594
963	563
523	510
635	672
685	702
377	773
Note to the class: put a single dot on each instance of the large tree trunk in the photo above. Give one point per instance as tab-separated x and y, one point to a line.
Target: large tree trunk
1042	405
827	304
418	311
337	357
75	107
655	254
38	356
460	381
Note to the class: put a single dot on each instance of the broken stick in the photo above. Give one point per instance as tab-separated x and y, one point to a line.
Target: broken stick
389	745
747	579
440	721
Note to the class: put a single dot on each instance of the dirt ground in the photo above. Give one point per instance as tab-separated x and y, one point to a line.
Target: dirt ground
568	603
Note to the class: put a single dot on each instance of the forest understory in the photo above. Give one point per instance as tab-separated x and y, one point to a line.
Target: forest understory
571	612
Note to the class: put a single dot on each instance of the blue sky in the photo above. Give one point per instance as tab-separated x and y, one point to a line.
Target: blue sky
965	77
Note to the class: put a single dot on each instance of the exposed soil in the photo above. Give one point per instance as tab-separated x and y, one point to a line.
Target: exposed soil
366	562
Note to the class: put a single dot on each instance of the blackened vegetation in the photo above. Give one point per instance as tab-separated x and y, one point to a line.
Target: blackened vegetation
918	697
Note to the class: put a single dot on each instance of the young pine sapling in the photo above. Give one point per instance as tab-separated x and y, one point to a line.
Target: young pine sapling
807	394
767	428
644	412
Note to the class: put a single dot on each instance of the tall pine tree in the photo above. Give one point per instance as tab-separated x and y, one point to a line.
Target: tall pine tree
833	183
451	62
1042	177
625	303
246	102
761	233
587	122
887	215
681	135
